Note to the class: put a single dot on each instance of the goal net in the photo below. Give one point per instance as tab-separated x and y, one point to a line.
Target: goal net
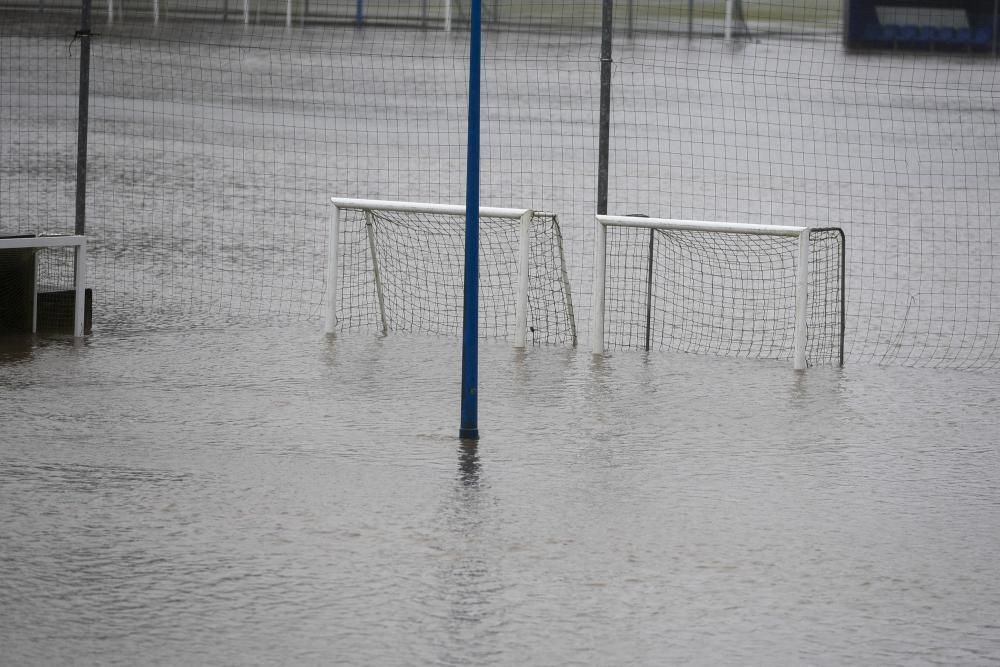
751	291
398	266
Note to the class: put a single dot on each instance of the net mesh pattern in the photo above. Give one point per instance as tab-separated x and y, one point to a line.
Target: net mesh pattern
56	267
725	294
408	268
826	316
56	282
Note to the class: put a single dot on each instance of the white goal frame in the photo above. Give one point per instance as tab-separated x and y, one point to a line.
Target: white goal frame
520	216
79	244
799	337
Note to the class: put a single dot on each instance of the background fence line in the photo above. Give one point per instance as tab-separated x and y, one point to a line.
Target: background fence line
214	146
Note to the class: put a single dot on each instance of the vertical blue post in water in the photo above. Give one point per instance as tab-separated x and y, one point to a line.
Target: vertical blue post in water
470	322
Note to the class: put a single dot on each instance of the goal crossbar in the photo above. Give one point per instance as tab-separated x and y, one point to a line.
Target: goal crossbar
800	261
423	207
699	225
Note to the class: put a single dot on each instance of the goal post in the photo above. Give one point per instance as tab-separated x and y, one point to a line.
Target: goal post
398	266
732	289
734	22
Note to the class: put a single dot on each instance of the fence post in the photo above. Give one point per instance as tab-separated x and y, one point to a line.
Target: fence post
82	119
607	19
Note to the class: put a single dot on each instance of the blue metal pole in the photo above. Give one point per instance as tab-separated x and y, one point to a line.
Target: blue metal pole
359	14
470	324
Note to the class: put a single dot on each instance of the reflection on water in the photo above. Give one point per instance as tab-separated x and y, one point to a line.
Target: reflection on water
469	582
468	464
277	496
16	347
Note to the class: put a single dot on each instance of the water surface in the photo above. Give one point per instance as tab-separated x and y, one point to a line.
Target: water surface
269	495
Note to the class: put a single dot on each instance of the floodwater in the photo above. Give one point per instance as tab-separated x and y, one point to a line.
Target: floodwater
272	496
254	494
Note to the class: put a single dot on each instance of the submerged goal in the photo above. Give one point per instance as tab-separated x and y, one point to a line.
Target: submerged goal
398	266
753	291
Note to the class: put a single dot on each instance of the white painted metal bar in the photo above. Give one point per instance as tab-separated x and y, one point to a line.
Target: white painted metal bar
447	15
699	225
42	241
521	304
597	302
156	12
420	207
288	14
332	272
800	334
246	12
80	298
80	272
727	31
34	294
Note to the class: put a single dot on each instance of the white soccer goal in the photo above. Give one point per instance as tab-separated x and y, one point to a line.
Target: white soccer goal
398	266
752	291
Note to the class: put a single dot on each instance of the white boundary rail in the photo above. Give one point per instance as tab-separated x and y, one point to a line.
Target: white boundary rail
801	267
79	277
522	215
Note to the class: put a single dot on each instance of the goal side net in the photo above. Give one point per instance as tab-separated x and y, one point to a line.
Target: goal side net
729	289
398	266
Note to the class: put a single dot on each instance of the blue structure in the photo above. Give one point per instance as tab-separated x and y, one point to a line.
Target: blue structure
469	426
922	25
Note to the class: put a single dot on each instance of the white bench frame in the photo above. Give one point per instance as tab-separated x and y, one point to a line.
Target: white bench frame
80	273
